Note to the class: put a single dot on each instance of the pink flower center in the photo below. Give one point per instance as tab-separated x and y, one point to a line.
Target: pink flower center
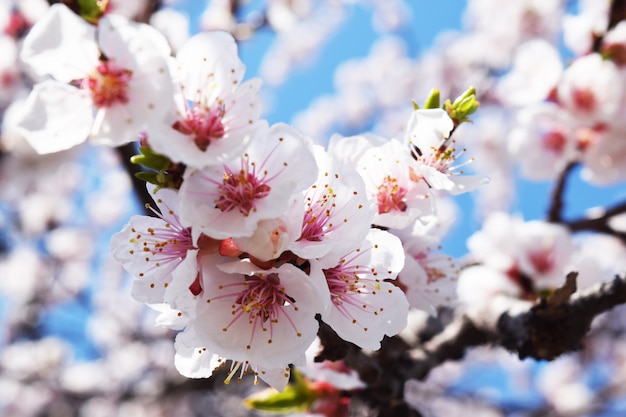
554	141
390	196
584	100
241	190
162	247
542	260
203	124
8	79
16	25
262	301
108	84
318	217
170	242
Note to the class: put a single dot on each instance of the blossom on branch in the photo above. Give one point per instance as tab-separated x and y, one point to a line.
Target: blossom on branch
366	304
435	154
151	248
109	82
216	115
229	200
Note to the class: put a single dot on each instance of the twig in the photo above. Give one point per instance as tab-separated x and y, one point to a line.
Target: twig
555	212
617	13
599	223
544	330
549	328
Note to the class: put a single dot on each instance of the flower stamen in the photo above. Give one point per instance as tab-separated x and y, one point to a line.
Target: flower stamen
108	84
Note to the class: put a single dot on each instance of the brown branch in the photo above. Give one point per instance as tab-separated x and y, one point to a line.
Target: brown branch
555	212
617	13
600	223
125	152
544	330
547	329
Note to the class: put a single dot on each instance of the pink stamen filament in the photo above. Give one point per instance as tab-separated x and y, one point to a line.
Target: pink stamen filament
316	222
241	190
172	241
347	282
441	158
391	196
203	124
262	300
108	84
163	247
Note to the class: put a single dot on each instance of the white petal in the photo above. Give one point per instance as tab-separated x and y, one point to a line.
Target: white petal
211	65
283	157
192	360
55	117
425	294
274	236
427	128
124	41
377	308
240	122
338	213
348	150
61	44
277	378
169	317
386	167
289	334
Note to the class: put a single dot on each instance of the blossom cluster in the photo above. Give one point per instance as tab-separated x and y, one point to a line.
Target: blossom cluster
518	259
570	113
258	232
227	251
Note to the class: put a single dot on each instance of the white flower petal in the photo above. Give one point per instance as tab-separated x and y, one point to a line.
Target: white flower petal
282	162
61	44
366	307
211	66
427	128
191	360
55	117
337	215
126	41
276	378
232	324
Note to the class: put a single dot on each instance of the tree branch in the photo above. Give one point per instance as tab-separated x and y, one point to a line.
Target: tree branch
600	223
555	212
547	329
125	152
544	330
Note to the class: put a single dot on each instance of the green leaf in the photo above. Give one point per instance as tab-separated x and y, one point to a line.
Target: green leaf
432	102
470	92
468	106
297	397
147	176
464	106
157	163
91	10
150	159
